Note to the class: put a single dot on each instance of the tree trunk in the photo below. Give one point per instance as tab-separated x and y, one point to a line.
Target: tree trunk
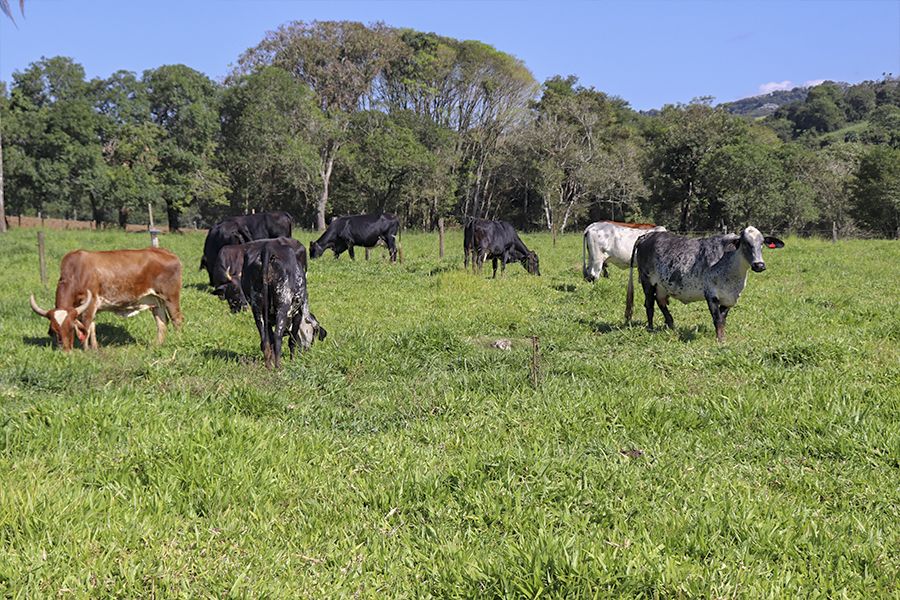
123	217
2	209
323	198
174	218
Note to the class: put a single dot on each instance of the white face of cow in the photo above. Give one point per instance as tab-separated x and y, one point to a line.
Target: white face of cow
310	330
750	246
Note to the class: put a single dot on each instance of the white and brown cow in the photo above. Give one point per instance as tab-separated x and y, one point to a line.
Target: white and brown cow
122	281
610	242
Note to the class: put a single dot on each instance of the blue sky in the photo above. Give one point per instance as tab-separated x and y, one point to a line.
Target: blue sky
648	53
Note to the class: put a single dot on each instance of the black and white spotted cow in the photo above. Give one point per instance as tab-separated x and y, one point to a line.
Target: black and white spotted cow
274	282
714	269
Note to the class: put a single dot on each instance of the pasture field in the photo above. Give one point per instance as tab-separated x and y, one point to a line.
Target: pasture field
406	457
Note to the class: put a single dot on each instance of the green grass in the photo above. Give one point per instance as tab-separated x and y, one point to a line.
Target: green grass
405	457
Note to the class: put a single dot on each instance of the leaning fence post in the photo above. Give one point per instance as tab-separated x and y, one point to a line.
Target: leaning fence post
42	258
441	237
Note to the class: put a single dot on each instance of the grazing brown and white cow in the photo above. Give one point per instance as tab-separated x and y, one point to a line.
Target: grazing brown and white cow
610	242
714	269
122	281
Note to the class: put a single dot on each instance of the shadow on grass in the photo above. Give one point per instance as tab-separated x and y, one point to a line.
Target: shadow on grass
604	327
229	356
108	334
200	287
565	287
37	341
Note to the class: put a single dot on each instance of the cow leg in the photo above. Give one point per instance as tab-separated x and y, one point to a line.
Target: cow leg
663	302
718	313
350	252
263	334
494	262
603	269
649	299
89	330
391	241
281	327
159	313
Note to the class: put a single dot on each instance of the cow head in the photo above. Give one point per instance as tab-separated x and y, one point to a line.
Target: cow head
750	244
315	250
310	330
231	292
530	262
64	322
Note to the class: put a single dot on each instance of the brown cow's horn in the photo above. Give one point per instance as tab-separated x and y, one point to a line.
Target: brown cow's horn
37	309
84	305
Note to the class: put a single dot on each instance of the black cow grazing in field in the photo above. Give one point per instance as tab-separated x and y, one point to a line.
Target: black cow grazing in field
226	276
497	240
714	269
240	230
358	230
274	282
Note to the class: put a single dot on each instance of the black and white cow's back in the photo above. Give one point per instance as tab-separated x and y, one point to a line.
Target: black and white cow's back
240	230
274	283
714	269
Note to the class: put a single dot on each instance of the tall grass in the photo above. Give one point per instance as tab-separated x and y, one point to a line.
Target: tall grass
404	456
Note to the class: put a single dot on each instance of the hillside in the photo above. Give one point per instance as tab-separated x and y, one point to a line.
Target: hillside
766	104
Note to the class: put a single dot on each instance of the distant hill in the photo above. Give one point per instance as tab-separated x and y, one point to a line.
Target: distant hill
766	104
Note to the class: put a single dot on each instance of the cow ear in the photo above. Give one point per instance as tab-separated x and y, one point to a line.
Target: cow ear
732	242
322	333
773	242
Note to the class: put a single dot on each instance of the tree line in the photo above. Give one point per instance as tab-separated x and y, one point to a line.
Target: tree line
329	118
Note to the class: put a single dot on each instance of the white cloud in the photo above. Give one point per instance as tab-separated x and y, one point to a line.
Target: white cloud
774	86
813	82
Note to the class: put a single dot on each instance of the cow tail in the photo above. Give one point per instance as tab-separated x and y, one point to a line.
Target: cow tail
629	295
266	258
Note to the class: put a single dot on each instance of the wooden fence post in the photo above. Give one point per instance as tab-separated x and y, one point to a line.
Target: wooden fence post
150	214
42	258
441	237
834	232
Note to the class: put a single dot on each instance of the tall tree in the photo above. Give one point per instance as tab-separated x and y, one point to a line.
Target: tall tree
183	103
876	191
270	130
340	61
679	139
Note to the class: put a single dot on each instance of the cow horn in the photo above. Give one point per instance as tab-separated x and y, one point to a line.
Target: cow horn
84	305
228	273
37	309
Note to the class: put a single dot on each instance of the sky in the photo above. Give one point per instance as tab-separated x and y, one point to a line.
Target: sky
649	53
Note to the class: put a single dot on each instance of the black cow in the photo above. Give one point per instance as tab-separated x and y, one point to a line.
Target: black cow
226	276
358	230
497	240
240	230
714	269
274	282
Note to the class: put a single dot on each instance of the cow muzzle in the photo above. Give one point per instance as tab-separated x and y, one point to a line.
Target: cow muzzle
758	267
